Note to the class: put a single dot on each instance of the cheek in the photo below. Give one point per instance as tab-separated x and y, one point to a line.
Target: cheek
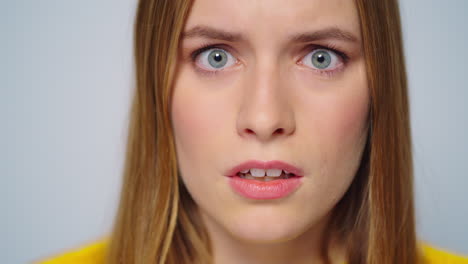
333	116
343	120
202	125
191	120
195	116
340	123
344	135
349	117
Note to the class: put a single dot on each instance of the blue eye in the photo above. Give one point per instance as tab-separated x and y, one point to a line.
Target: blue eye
215	59
322	59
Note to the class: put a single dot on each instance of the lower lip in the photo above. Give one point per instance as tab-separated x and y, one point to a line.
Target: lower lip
260	190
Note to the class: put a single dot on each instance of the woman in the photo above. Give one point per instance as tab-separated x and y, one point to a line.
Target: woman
267	132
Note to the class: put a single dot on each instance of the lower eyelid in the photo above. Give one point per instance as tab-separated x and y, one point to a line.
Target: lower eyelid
209	73
330	73
327	73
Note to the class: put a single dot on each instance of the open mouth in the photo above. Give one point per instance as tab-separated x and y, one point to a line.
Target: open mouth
260	180
265	178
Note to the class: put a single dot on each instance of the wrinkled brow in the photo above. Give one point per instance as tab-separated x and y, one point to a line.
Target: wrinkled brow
212	33
218	34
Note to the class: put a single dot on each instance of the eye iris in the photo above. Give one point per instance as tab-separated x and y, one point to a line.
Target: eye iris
217	58
321	59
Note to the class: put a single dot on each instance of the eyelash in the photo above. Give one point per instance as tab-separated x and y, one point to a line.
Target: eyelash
329	73
203	48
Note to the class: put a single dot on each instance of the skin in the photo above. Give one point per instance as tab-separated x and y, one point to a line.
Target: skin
270	104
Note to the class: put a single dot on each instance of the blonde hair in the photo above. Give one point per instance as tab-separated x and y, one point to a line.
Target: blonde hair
156	220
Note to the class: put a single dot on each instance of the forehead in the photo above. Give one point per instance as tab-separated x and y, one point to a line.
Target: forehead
260	18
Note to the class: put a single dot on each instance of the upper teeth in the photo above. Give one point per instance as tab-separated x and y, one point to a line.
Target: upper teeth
261	172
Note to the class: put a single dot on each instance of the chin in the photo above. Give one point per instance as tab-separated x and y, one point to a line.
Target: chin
260	228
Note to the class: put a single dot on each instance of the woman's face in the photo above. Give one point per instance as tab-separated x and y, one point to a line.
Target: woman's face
270	80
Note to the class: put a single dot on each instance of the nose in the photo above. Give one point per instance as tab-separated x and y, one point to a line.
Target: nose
265	112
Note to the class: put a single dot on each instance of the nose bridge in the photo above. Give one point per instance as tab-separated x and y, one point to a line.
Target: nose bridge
263	82
265	111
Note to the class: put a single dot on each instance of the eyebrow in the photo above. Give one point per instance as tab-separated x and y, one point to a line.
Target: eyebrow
327	33
218	34
211	33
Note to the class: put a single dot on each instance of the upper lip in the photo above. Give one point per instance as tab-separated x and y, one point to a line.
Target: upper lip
257	164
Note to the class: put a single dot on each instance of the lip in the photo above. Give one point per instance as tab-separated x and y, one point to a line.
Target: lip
257	164
259	190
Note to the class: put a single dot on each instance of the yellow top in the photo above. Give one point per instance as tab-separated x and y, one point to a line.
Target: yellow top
94	254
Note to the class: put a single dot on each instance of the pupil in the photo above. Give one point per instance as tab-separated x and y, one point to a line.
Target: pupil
218	57
321	58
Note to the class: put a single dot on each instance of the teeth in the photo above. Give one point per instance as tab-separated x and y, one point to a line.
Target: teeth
267	178
263	173
273	172
257	172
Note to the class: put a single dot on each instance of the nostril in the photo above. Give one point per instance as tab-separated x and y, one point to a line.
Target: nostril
249	131
279	131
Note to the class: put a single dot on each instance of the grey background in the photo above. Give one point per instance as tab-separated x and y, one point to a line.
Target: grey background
66	76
